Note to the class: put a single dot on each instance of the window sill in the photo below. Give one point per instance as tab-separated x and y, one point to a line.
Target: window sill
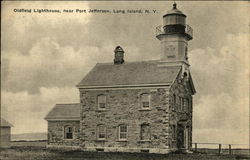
102	110
144	141
125	140
144	109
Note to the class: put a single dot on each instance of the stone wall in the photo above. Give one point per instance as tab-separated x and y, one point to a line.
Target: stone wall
123	107
56	133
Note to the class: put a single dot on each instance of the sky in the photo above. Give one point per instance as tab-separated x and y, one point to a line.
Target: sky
44	56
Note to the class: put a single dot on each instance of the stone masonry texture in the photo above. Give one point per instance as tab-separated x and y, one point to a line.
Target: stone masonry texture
123	107
56	133
180	88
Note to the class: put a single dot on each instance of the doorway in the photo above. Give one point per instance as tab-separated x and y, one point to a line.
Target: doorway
180	137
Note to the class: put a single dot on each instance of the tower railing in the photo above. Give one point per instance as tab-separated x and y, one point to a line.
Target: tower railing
160	31
189	30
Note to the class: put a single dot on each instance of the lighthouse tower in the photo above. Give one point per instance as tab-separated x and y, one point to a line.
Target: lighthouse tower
174	36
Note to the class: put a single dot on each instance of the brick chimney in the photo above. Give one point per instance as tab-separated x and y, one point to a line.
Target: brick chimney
119	55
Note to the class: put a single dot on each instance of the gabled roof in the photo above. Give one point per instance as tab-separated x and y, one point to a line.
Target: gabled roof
129	73
5	123
64	112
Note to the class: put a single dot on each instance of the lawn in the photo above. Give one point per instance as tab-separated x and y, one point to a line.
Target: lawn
41	153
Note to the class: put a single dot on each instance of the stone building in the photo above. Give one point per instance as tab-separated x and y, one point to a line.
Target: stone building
133	106
64	125
5	133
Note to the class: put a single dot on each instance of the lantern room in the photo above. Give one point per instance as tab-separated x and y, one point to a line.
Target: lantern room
174	22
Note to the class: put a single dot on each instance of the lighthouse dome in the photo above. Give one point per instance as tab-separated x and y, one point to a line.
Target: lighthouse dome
175	11
174	17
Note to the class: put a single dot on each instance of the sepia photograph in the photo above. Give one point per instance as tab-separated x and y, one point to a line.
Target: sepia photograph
125	80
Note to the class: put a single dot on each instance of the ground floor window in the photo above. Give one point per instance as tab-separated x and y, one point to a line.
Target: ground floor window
123	132
173	128
68	132
101	132
145	132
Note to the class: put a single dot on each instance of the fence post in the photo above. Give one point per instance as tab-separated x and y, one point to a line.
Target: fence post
195	147
230	151
219	148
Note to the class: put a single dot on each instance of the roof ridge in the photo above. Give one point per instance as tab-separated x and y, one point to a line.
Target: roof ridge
128	62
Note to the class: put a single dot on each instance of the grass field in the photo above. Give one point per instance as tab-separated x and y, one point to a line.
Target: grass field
40	154
38	151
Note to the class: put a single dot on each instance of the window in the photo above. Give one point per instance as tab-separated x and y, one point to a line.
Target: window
145	132
183	104
145	101
173	132
174	102
186	50
123	132
101	132
179	105
68	132
188	105
101	100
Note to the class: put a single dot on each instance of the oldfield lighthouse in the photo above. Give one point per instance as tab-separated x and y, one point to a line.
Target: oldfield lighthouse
143	106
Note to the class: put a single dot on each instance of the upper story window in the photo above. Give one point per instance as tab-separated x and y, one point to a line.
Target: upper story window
182	104
179	104
185	107
123	132
145	101
174	102
145	132
188	105
101	132
68	132
102	102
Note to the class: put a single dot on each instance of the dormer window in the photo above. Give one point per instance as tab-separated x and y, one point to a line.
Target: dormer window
102	102
145	101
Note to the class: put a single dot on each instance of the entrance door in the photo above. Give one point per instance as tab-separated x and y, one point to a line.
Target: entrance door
180	137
